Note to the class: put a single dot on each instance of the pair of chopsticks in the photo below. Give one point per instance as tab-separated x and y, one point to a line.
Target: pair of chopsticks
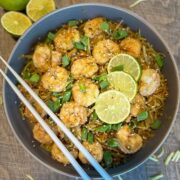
56	140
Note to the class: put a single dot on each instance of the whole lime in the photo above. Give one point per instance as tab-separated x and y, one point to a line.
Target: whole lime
13	5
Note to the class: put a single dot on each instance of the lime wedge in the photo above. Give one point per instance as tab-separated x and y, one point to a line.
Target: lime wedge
15	23
124	83
129	64
112	107
36	9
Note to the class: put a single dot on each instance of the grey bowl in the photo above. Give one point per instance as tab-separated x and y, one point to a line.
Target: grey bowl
85	11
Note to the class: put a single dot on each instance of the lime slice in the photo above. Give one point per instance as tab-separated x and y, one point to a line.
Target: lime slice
112	107
123	82
15	23
15	5
39	8
129	64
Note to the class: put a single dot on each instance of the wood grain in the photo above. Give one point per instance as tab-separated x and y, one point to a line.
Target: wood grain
15	162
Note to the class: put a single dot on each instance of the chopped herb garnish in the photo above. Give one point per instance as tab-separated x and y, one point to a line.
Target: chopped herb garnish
159	60
55	94
156	124
119	34
153	158
104	84
156	177
84	134
176	156
65	61
117	68
104	128
70	83
54	105
26	71
94	116
116	127
90	137
82	88
83	44
142	116
66	97
107	156
105	27
73	23
113	143
35	78
102	77
50	37
169	158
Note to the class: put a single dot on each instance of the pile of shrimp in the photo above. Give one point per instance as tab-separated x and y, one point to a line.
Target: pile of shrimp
77	79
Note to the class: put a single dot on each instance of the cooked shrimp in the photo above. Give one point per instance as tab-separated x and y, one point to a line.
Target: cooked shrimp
149	82
89	94
92	27
42	57
65	38
27	114
40	134
104	50
132	46
60	157
84	67
95	149
56	58
129	142
73	114
55	79
138	105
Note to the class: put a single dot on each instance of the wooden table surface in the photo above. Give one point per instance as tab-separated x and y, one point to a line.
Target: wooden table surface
15	162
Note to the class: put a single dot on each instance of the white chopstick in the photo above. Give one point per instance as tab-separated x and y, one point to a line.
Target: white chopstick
68	133
61	146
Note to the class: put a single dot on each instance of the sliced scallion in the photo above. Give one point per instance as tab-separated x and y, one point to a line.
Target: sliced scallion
84	134
169	158
156	177
90	137
142	116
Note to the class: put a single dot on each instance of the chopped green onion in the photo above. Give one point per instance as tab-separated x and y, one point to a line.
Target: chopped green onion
84	134
156	124
73	23
50	37
136	3
161	153
153	158
82	88
120	34
90	137
65	61
79	45
66	97
113	143
55	94
35	78
168	159
54	105
159	176
94	116
133	124
142	116
29	177
175	158
70	83
117	68
104	84
107	156
104	128
119	177
105	27
159	60
25	73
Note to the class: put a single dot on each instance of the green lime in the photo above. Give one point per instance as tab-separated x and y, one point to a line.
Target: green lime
124	83
112	107
15	23
37	9
128	63
13	5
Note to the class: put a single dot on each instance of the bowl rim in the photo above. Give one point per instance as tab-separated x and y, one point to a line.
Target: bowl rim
139	18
